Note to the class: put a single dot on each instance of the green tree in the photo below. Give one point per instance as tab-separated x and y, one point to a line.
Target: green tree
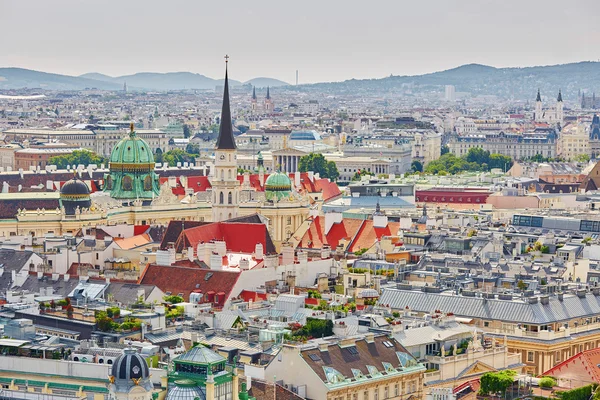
192	148
317	163
158	155
416	166
500	161
582	158
77	157
186	131
521	285
445	150
174	156
173	299
496	382
478	155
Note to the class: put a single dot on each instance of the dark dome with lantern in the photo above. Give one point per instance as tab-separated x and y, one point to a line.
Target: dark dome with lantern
130	365
75	193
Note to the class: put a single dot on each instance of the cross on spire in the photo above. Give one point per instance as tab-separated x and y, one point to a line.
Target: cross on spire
226	58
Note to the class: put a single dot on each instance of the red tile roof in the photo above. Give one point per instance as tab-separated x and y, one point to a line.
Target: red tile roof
368	235
315	236
582	367
238	237
248	295
177	279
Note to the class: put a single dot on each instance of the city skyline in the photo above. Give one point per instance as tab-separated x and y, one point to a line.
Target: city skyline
271	41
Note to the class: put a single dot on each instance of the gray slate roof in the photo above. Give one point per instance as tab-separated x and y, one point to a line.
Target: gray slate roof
502	310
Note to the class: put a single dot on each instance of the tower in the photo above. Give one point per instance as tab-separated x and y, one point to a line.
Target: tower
253	104
559	108
268	102
595	137
225	185
538	108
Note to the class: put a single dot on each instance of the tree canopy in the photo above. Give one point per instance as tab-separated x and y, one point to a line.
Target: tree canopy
174	156
317	163
476	159
496	382
77	157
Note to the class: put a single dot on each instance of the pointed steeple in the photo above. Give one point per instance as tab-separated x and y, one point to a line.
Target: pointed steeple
539	97
225	140
268	94
559	96
253	92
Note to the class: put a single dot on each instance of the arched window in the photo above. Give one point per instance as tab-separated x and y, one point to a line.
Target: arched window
222	174
229	198
229	216
221	198
148	183
109	182
127	183
229	174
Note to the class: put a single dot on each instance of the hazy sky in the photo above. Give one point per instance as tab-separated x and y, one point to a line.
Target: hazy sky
326	40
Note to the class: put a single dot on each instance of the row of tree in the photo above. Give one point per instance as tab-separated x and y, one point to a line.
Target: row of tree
476	159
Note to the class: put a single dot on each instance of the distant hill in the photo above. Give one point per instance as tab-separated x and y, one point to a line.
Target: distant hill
518	83
264	82
18	78
163	81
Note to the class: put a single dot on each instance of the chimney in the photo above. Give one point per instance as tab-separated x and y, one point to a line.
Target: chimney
297	179
259	251
55	277
380	220
49	185
370	337
40	275
244	264
596	291
216	261
545	299
302	257
287	252
221	247
560	296
323	347
332	218
581	293
208	250
190	253
200	251
325	252
271	261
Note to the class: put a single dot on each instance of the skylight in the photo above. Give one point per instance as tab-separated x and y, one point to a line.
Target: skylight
333	375
352	350
406	360
314	357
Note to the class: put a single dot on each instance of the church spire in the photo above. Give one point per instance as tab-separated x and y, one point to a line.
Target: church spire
225	140
253	92
268	94
559	96
539	97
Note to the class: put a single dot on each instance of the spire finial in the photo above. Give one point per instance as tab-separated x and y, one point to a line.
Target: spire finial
539	97
226	60
559	95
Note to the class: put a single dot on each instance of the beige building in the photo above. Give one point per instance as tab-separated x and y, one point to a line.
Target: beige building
427	146
573	141
373	367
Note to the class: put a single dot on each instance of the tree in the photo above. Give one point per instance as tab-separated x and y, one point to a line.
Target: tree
186	131
582	158
521	285
496	382
69	311
547	382
416	166
445	150
500	161
478	155
174	156
173	299
317	163
77	157
158	155
192	148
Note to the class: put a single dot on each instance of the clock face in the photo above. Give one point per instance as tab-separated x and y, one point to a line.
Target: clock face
222	156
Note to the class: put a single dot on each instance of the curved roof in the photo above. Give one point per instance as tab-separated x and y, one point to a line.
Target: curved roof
201	355
132	150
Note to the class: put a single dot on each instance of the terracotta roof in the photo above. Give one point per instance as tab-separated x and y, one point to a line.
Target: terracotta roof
330	189
239	237
582	367
368	235
174	229
176	279
132	242
262	390
315	236
357	357
248	295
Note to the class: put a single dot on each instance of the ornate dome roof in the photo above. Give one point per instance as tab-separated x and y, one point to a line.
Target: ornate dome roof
278	181
74	187
186	389
130	366
278	186
75	193
131	152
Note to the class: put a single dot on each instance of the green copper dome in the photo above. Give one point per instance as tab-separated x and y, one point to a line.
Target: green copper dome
278	186
132	173
132	150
